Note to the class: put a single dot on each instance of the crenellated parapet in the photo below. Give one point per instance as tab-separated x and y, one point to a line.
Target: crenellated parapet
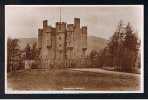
62	44
60	27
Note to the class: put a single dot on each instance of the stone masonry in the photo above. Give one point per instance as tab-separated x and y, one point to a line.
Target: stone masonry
64	45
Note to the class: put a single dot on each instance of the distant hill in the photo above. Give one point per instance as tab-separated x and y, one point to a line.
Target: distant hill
93	43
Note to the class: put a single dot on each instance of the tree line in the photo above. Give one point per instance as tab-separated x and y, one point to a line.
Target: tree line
122	50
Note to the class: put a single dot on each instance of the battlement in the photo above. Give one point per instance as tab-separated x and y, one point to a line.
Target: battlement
48	29
84	29
70	27
77	22
45	23
60	23
40	32
60	26
63	42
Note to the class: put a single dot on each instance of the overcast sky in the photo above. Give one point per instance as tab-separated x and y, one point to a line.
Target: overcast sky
24	21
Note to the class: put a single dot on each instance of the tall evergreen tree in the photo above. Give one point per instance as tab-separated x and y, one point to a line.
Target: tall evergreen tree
131	48
123	48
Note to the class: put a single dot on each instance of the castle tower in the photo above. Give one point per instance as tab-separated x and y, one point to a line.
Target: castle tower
45	24
77	23
63	44
84	37
83	45
60	43
70	45
77	39
45	45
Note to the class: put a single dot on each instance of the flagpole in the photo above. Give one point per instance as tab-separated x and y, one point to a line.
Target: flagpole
60	14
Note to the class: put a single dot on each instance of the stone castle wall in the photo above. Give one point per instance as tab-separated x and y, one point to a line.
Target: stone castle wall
62	46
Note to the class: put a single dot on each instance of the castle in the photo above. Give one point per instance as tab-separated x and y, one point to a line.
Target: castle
64	45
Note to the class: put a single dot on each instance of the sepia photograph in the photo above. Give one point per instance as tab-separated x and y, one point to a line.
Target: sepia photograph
74	49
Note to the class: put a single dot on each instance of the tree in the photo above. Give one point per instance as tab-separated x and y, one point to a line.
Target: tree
13	54
93	58
123	49
131	46
115	46
35	52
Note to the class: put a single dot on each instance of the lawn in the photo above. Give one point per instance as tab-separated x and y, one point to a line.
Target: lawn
68	79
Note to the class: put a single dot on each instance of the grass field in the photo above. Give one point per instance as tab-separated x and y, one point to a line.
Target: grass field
67	79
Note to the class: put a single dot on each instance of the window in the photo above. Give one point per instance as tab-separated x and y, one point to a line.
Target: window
59	37
60	45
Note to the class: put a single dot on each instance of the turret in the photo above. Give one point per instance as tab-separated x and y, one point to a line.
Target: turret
45	23
40	38
49	31
70	35
77	22
84	37
84	30
60	26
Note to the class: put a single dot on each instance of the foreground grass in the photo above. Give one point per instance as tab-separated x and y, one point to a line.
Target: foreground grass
65	79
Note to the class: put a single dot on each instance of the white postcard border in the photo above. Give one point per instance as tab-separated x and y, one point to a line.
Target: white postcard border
78	92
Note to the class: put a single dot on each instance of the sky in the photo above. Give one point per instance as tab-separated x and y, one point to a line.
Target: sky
23	21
